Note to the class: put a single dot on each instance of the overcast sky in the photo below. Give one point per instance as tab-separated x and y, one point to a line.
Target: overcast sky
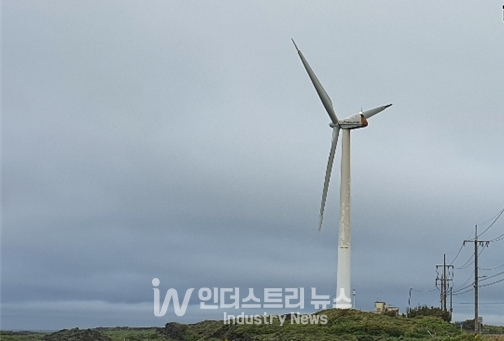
183	140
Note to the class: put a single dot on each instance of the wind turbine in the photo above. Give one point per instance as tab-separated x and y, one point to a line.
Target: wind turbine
343	289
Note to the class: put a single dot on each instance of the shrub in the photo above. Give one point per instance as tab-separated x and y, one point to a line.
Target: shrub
426	311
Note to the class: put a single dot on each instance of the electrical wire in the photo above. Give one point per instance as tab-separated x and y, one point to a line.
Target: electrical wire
488	277
498	239
465	282
480	303
496	218
500	266
464	292
466	264
423	290
489	284
458	291
413	289
458	253
470	287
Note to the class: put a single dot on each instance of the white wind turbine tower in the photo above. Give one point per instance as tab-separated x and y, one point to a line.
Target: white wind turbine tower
343	288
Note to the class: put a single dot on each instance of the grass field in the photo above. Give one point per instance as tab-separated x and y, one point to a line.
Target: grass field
342	325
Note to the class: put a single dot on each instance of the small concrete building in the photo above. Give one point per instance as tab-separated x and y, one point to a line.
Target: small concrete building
382	308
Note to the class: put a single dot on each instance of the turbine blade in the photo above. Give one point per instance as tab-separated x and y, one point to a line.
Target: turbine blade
336	130
324	97
369	113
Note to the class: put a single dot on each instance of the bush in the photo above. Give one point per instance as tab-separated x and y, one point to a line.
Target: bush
426	311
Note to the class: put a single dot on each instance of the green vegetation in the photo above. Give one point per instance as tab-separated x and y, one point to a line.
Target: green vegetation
20	336
468	325
342	325
114	334
132	334
423	310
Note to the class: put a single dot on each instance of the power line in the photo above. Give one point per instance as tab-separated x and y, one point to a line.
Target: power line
471	285
497	216
460	250
489	284
465	282
484	303
458	291
413	289
464	289
498	239
465	292
501	237
488	277
500	266
458	253
467	264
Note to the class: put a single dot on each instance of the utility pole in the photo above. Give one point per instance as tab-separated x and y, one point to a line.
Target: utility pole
476	300
444	282
354	302
482	243
451	301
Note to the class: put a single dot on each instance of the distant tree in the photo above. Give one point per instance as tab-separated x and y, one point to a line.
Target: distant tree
391	313
469	325
423	310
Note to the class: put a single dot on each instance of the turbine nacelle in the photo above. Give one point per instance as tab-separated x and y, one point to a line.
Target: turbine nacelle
358	120
353	122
